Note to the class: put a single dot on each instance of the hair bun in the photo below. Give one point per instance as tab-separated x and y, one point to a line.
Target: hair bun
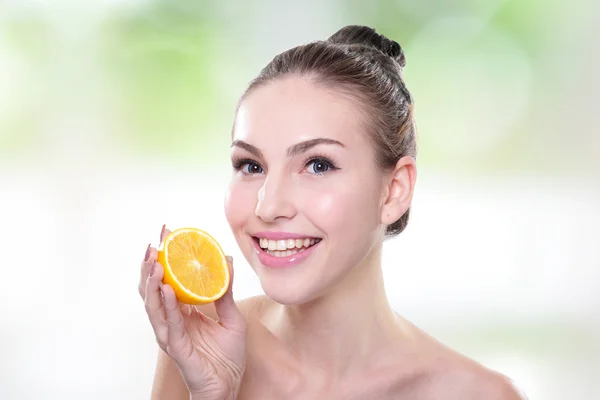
364	35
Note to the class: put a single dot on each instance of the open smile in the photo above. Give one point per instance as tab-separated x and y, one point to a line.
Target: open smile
280	250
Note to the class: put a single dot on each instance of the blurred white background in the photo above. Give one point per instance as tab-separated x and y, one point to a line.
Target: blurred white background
115	118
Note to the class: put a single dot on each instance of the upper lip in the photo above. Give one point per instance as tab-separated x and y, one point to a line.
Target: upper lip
281	235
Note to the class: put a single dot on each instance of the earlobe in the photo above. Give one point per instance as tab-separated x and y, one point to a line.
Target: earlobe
399	190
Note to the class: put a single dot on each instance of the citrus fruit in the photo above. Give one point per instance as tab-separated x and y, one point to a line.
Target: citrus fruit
195	266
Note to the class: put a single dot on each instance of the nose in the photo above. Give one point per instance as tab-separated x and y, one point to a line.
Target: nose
274	200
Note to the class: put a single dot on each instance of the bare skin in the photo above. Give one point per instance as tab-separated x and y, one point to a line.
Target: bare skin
400	361
324	329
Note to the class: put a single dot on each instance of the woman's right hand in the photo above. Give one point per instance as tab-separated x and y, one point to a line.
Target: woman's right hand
210	355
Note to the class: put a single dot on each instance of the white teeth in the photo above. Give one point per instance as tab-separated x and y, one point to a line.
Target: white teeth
284	245
286	253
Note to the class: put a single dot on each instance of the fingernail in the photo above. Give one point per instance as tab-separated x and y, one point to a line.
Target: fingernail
162	232
152	268
147	253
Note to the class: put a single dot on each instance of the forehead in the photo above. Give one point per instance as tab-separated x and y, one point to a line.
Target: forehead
294	109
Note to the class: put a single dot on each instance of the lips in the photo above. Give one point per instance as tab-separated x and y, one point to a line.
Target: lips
275	249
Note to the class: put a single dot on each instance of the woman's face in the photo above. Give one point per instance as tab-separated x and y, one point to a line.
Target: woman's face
305	198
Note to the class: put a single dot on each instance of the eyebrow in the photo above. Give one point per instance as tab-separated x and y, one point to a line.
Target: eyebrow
294	150
248	147
302	147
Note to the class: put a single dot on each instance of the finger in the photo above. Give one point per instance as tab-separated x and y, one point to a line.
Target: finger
229	314
154	306
149	258
145	266
142	282
179	343
164	232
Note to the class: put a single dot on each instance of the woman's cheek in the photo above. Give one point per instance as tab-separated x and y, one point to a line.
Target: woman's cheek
326	206
338	206
240	202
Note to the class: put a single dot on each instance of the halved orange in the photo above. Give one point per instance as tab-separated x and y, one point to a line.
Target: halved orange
195	266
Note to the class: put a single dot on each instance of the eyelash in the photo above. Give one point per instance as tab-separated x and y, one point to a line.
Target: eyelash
238	163
323	160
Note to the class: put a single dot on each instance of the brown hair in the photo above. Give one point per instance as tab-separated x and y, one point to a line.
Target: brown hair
358	62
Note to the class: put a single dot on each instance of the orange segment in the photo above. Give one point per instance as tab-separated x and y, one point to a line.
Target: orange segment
195	266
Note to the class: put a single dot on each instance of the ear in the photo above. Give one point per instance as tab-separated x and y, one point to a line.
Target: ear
398	193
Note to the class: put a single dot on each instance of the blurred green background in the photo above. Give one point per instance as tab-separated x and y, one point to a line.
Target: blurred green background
115	118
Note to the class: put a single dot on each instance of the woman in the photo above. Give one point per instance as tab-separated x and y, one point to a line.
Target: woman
323	155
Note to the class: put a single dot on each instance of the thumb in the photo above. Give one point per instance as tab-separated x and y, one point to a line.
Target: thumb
230	316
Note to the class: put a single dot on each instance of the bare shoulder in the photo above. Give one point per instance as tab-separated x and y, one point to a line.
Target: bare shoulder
442	373
459	378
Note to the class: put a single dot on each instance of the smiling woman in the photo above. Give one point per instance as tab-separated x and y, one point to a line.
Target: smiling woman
323	153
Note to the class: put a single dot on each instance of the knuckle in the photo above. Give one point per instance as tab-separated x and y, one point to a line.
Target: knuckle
173	321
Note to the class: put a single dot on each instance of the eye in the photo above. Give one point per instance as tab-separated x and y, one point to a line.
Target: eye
246	166
251	168
319	166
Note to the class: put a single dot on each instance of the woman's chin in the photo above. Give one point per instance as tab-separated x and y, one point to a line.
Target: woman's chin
287	294
289	285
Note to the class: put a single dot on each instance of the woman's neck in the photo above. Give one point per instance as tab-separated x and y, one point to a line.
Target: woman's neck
344	330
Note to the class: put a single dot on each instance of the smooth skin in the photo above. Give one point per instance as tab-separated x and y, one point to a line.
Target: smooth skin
324	328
